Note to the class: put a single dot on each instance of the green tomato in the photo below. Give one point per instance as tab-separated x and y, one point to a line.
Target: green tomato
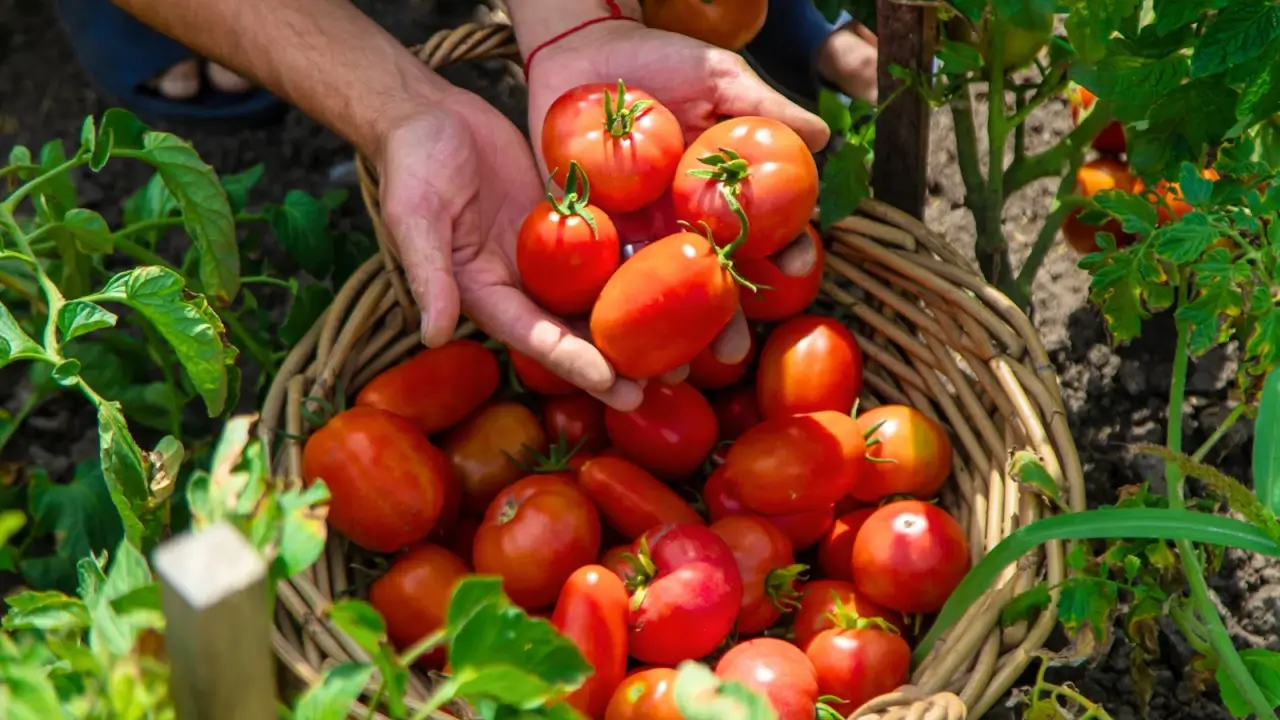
1021	45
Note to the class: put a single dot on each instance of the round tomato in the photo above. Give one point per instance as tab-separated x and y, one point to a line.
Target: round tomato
1171	205
592	612
386	481
413	597
768	568
729	24
686	597
777	670
482	449
803	529
1111	140
670	433
707	372
819	609
909	556
537	378
627	143
648	694
577	420
765	167
664	306
835	553
795	464
534	535
736	411
1093	177
908	453
631	500
858	665
780	295
617	559
809	363
437	387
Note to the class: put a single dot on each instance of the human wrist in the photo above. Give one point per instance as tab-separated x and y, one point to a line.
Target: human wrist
416	91
538	21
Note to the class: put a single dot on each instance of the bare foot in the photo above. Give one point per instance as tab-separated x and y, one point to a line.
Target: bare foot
182	81
847	59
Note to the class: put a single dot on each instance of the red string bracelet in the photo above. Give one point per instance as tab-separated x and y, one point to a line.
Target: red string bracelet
615	13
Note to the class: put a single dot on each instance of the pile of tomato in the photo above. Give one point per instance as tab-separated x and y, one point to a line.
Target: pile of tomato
748	515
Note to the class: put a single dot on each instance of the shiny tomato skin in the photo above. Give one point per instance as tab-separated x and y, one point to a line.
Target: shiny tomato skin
663	306
729	24
646	694
535	534
795	464
578	419
707	372
626	172
413	596
803	529
809	363
387	481
631	500
777	670
910	556
416	388
858	666
780	296
778	194
914	453
690	605
593	611
481	449
818	603
670	433
563	264
1104	173
1111	140
765	559
835	553
736	411
537	378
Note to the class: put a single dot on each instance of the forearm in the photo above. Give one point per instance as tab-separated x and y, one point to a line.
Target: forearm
325	56
536	21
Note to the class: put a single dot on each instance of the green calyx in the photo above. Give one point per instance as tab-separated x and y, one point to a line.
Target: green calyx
556	459
847	618
726	167
873	441
725	254
577	196
643	572
780	587
619	119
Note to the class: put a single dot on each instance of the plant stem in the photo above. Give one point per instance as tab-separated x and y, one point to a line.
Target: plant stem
18	168
975	187
264	280
1050	162
165	223
992	249
1049	231
1218	434
47	286
22	192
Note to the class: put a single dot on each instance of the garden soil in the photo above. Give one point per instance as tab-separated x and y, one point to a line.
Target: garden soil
1114	396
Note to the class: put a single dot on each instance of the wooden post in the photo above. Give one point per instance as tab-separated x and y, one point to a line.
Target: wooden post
218	625
907	34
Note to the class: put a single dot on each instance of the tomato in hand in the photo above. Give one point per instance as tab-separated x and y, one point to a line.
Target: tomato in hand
686	597
386	481
1105	173
663	306
670	433
593	612
729	24
1111	140
648	694
631	500
736	411
482	447
780	295
437	387
765	167
859	664
910	556
537	378
576	419
835	553
534	535
708	372
768	568
627	142
819	609
803	529
809	363
777	670
908	453
413	597
795	464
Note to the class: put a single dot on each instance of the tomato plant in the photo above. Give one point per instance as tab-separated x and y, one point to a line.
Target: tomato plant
1111	140
768	567
729	24
646	695
670	433
809	363
795	464
859	663
707	372
437	387
803	529
631	500
1094	177
413	596
593	611
485	450
577	420
908	453
736	411
823	602
536	377
779	671
909	556
780	295
835	553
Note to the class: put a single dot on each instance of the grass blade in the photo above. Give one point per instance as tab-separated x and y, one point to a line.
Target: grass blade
1266	445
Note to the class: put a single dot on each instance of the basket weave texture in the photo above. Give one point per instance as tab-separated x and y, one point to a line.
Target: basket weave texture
934	335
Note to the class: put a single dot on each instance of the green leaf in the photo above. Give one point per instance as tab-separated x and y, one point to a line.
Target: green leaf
123	470
470	595
1086	602
14	343
1132	84
1091	23
1264	667
89	230
332	697
361	622
1029	471
1196	189
80	518
1123	285
846	182
1186	240
958	58
50	611
81	317
302	225
57	192
1216	297
1238	33
119	129
129	573
1026	606
67	372
1025	14
88	135
834	112
20	155
11	521
1266	445
1136	213
237	186
307	307
152	201
1182	108
1173	14
27	693
700	695
302	530
352	252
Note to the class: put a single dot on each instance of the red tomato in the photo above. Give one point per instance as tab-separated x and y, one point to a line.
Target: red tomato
387	481
1171	205
859	665
617	559
648	694
437	387
848	504
907	454
819	609
670	433
1093	177
486	448
909	556
736	411
803	529
685	604
631	500
707	372
534	535
835	554
809	363
766	167
413	597
795	464
533	376
576	419
1111	140
729	24
780	295
592	612
777	670
768	568
628	143
663	306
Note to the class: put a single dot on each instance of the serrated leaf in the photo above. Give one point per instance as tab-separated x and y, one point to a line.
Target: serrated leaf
1216	297
302	225
1026	605
1195	188
1264	667
333	696
1263	345
846	182
1237	33
1188	239
1174	14
89	230
302	529
15	344
123	470
50	611
238	185
1026	468
1266	445
1091	23
80	519
81	317
1183	108
1122	280
1135	212
1086	602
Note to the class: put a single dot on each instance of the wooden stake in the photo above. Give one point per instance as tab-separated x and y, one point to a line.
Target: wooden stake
907	34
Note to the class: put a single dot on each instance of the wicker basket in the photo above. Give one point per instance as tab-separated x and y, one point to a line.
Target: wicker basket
935	336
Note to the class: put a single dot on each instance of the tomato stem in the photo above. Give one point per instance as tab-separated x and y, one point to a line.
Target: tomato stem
780	586
847	618
577	195
619	120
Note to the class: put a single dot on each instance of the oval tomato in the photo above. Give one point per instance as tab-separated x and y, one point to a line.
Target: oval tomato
627	142
736	411
1093	177
795	464
729	24
780	295
803	529
768	568
707	372
534	535
663	306
648	694
437	387
777	670
819	609
768	169
858	665
413	597
908	453
593	611
685	605
670	433
387	481
1111	140
577	420
1171	205
537	378
909	556
809	363
631	500
835	553
482	447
